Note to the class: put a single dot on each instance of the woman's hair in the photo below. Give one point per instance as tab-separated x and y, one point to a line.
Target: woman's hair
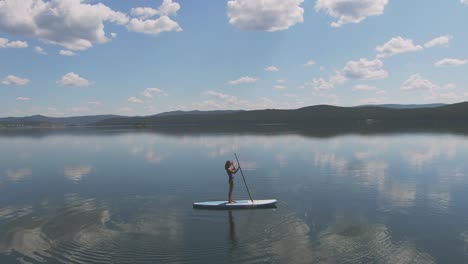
227	164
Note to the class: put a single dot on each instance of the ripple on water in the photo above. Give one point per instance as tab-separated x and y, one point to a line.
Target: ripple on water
356	241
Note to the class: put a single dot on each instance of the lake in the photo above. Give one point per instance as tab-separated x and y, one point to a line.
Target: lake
84	195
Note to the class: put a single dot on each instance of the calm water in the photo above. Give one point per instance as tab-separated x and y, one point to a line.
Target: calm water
125	196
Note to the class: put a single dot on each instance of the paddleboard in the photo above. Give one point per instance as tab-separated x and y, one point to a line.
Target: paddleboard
239	204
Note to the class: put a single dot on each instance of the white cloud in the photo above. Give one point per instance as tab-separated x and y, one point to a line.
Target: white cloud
144	12
439	41
364	87
150	92
14	80
73	24
310	63
153	26
350	11
134	100
244	79
449	86
364	69
279	87
231	99
465	2
167	8
5	43
265	15
40	50
280	81
67	53
435	92
272	69
395	46
321	84
113	34
450	62
23	98
417	82
158	25
73	79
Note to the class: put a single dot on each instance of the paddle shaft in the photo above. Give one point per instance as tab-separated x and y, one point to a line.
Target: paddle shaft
240	168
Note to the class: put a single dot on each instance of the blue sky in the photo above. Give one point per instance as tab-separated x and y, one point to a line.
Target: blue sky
142	57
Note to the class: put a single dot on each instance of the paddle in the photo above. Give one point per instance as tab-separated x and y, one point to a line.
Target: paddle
238	164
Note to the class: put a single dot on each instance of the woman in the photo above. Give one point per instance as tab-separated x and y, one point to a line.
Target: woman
231	170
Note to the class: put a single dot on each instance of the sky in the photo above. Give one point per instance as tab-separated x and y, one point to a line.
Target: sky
143	57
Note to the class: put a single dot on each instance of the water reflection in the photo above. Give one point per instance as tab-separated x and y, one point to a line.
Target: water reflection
350	198
77	173
355	240
232	230
18	174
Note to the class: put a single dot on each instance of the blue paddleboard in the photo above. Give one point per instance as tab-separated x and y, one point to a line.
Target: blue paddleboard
239	204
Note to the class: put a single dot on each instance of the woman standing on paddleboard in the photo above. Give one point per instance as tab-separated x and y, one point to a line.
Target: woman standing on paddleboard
231	170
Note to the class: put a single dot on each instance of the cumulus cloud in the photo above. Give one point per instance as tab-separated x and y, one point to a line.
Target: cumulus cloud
73	24
434	92
155	26
5	43
450	62
134	100
417	82
265	15
364	87
244	79
272	69
350	11
40	50
73	79
167	8
227	98
23	98
439	41
365	69
395	46
310	63
67	53
144	12
14	80
151	92
320	84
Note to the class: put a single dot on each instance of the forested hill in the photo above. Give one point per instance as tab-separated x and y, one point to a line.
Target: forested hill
320	113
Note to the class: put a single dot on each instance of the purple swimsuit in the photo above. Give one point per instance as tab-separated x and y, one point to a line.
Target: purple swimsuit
231	175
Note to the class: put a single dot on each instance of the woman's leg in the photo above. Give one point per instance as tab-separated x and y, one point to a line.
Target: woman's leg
231	187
